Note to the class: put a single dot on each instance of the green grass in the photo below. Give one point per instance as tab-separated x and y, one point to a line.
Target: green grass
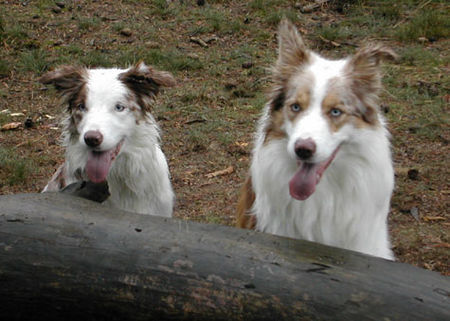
15	32
429	23
35	60
263	5
97	58
162	9
172	60
4	119
334	33
16	169
275	16
417	106
5	68
419	56
88	23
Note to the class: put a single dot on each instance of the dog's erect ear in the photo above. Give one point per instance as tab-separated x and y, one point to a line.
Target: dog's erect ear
364	68
66	79
145	81
292	52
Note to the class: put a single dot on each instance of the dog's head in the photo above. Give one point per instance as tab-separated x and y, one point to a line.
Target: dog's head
104	106
317	103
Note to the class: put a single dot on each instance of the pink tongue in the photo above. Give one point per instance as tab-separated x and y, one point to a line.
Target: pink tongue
303	184
97	166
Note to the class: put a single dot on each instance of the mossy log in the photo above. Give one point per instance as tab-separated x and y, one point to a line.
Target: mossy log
66	258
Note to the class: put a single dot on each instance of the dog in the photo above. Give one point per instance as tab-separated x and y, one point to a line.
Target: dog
110	135
321	167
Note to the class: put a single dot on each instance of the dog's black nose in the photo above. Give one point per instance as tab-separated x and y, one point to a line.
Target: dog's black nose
305	148
93	138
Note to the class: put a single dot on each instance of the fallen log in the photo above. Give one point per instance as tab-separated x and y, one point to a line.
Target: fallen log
66	258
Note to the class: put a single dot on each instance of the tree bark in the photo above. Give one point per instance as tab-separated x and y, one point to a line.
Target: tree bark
66	258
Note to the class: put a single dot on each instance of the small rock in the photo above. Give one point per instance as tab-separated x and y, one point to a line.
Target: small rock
247	65
298	5
422	39
126	32
56	9
28	123
413	174
60	4
414	211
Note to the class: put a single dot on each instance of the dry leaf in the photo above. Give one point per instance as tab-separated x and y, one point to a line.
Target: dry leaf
243	144
222	172
11	126
433	218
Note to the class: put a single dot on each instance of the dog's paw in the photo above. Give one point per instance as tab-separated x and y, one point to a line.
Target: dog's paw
97	192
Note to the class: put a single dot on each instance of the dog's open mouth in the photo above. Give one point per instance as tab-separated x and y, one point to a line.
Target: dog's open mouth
308	175
99	163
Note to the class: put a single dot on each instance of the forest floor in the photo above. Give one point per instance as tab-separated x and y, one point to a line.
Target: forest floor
220	52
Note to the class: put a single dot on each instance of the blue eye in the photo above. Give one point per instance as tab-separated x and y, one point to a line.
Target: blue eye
120	107
81	107
335	112
296	108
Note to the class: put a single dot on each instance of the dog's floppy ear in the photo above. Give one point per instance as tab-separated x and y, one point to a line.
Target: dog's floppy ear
67	80
292	52
145	81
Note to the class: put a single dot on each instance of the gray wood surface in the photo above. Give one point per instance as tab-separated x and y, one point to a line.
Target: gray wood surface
66	258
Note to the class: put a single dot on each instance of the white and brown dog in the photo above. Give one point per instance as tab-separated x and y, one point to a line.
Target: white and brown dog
110	135
321	168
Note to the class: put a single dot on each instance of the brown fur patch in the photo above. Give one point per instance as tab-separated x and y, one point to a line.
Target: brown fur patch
341	96
302	99
70	82
273	130
333	100
363	73
67	80
292	53
292	56
144	82
246	200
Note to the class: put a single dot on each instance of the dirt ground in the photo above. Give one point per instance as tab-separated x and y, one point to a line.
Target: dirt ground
220	53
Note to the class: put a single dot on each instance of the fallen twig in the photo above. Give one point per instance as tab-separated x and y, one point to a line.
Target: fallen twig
222	172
